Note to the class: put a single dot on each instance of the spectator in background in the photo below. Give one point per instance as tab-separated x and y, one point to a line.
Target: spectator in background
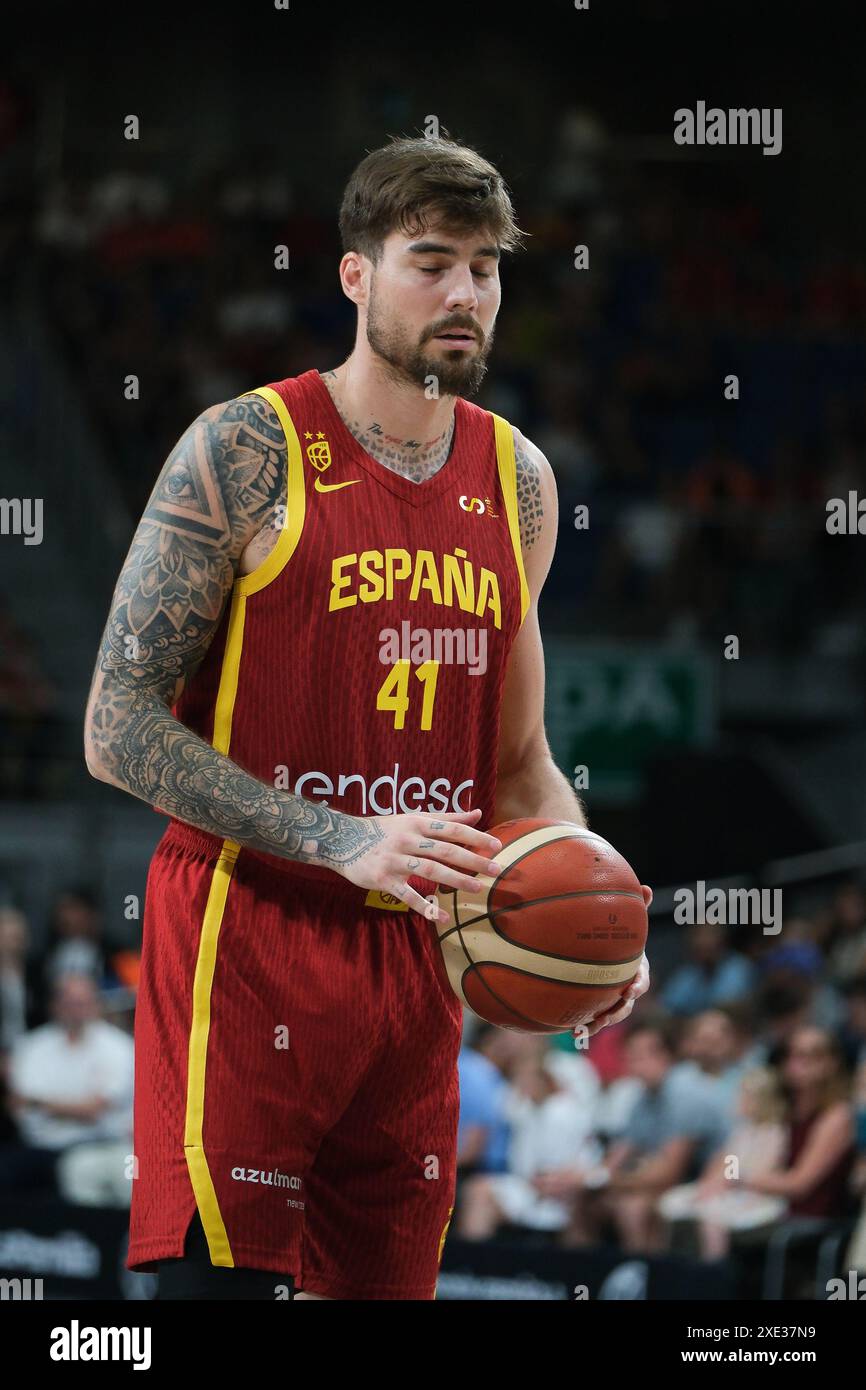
597	1073
856	1256
75	943
28	709
17	1001
796	961
574	1070
847	934
676	1123
482	1131
713	976
70	1083
648	535
563	438
717	1048
718	1204
820	1154
66	219
551	1142
25	691
854	1027
17	983
720	477
782	1009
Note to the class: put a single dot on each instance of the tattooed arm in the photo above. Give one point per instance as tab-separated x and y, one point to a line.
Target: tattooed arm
219	488
528	782
221	485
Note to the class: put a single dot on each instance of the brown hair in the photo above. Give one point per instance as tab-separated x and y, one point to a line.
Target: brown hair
666	1029
837	1086
412	181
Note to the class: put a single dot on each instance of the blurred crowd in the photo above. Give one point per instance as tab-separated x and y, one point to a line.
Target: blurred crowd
28	705
733	1101
66	1056
706	513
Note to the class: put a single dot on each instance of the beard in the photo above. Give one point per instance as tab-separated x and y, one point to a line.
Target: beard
456	372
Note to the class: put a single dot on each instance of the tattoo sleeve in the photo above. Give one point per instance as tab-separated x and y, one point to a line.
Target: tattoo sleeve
530	506
219	487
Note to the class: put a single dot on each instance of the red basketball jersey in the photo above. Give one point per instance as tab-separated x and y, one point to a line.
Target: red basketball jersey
362	663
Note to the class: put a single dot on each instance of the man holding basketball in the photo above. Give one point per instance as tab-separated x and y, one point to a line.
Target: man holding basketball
296	1083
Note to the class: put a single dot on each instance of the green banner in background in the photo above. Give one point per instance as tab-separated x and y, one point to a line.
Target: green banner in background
612	706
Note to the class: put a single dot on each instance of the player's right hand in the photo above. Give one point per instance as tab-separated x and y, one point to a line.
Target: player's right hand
442	846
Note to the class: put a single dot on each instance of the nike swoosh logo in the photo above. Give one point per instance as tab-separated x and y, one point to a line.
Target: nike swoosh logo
332	487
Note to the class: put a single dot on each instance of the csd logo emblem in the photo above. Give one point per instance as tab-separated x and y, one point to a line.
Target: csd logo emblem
475	504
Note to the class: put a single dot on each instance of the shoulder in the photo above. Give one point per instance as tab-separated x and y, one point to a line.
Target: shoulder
38	1040
532	464
537	510
225	475
536	490
250	419
837	1120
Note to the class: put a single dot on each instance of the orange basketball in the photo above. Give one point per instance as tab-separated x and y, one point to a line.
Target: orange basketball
554	939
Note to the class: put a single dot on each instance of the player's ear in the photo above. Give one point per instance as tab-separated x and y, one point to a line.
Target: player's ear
355	272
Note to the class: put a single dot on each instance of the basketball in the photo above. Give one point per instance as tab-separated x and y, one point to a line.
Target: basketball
554	939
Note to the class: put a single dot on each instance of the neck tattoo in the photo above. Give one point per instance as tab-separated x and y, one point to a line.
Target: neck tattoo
410	458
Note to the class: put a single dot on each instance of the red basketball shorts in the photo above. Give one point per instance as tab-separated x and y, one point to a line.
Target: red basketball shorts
295	1076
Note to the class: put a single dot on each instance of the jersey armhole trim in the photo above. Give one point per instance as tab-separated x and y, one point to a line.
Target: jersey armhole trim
293	519
508	477
262	575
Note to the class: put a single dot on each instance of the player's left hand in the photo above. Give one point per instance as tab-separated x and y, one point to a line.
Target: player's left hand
638	986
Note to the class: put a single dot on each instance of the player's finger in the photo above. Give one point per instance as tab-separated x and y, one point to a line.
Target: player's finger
440	873
640	984
620	1014
596	1027
407	894
456	831
590	1029
621	1009
458	858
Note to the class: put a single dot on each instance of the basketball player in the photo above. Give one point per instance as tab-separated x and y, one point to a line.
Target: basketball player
276	674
